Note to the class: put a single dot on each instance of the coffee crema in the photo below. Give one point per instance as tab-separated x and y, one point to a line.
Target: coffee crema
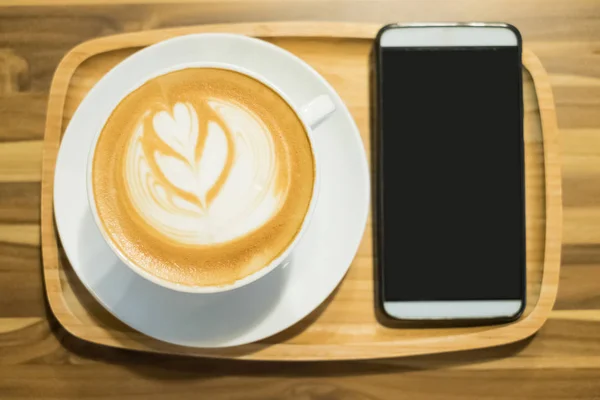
202	176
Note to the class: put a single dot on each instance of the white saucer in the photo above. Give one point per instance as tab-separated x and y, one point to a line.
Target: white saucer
274	302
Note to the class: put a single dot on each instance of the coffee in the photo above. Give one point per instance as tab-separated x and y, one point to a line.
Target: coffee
202	176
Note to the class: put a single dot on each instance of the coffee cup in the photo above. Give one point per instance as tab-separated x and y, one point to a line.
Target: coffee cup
193	183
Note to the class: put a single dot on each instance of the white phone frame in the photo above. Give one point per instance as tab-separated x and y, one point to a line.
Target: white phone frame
451	35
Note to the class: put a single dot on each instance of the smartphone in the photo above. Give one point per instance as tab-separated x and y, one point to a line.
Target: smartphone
450	194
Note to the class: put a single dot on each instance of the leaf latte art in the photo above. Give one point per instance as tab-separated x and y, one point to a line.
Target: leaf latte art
203	179
202	176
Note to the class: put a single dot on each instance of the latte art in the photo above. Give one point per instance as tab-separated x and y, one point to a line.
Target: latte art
202	176
203	186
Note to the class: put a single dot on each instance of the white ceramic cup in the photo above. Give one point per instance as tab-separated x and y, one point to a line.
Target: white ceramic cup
310	114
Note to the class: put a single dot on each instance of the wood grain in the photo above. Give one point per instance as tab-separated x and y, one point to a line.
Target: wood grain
42	361
21	161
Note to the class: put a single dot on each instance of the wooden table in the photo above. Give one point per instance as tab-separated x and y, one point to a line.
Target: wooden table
39	360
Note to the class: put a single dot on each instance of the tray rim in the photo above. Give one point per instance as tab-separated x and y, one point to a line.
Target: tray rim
504	334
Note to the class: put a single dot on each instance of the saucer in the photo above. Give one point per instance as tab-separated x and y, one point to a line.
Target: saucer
277	300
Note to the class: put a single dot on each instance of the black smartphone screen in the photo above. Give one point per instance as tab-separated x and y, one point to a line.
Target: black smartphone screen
453	173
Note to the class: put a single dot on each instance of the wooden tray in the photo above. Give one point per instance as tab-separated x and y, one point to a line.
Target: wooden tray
345	326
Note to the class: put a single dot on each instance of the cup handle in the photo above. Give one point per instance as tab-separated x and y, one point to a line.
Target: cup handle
317	110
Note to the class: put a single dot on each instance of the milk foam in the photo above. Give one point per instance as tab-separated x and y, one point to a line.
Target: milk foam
203	177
